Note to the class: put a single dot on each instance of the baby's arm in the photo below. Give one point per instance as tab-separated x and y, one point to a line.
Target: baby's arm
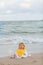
25	54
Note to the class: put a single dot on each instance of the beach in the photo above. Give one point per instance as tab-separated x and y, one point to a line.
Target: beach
34	59
14	32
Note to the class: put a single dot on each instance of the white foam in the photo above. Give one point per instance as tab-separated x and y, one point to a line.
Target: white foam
17	39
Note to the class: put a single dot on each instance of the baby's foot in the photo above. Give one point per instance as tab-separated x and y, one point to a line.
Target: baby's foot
12	57
22	57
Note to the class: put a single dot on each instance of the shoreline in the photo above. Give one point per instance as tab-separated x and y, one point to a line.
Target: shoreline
34	59
29	54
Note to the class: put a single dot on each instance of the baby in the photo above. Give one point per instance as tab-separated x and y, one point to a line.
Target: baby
21	51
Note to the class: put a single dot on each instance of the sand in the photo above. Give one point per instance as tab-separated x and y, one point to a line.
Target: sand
35	59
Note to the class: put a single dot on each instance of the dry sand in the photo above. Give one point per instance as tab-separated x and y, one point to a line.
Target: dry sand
35	59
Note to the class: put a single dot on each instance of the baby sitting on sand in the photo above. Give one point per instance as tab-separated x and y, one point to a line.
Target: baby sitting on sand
21	51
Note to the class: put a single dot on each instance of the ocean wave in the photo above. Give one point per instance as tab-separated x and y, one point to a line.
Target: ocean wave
16	39
12	27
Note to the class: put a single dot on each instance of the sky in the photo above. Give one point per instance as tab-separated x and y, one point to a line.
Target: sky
21	9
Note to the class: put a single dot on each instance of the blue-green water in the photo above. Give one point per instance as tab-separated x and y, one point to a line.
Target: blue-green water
20	27
13	32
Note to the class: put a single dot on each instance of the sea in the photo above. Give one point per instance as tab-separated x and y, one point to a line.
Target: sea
13	32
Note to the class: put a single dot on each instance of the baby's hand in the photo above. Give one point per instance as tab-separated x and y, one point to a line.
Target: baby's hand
24	53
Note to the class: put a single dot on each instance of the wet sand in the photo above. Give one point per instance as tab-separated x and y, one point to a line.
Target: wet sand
35	59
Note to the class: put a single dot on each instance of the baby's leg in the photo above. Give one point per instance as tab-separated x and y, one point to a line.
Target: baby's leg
13	57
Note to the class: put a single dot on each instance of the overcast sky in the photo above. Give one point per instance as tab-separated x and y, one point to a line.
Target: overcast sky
21	9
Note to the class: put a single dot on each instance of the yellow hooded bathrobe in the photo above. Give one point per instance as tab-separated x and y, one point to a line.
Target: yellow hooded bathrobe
20	52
